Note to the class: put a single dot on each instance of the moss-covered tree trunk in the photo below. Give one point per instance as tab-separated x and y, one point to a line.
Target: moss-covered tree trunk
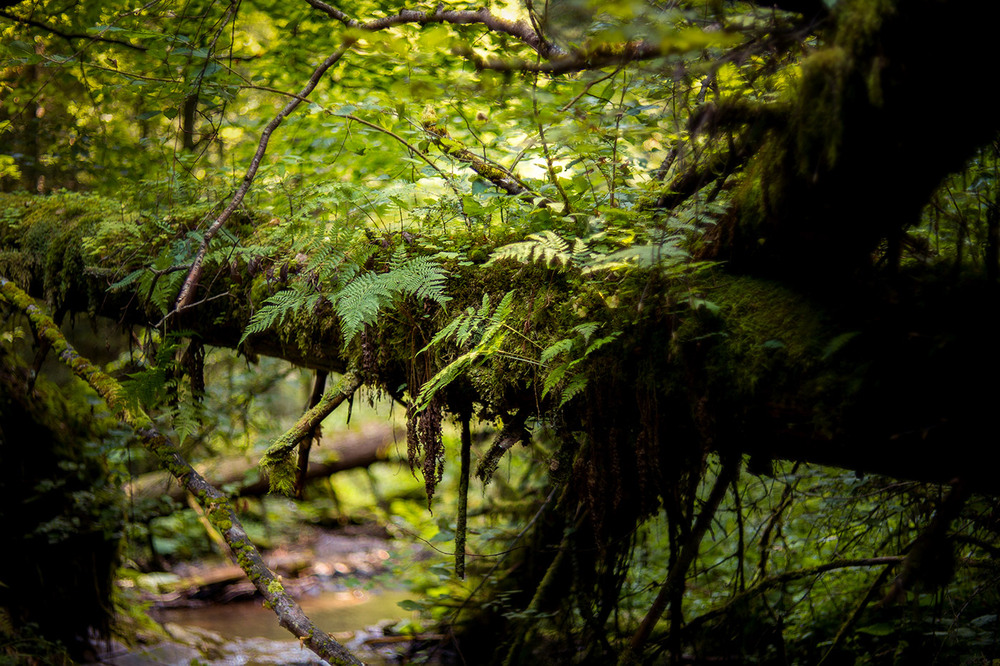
876	120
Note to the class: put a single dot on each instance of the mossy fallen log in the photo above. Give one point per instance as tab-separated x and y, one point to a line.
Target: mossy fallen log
697	359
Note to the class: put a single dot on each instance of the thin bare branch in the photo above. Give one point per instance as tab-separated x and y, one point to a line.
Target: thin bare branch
187	290
68	36
689	550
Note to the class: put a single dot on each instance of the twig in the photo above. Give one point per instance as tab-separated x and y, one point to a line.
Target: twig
69	36
677	573
463	498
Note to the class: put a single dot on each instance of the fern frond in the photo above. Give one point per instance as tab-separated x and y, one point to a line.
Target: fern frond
419	277
575	386
545	246
586	330
360	301
276	308
489	332
446	376
475	326
555	349
127	280
641	256
553	378
600	342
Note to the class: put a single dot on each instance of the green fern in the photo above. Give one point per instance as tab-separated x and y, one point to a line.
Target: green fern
591	254
546	247
359	303
639	256
563	373
277	307
573	387
473	323
487	328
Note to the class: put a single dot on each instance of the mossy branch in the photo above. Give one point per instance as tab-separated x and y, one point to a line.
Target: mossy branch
217	506
496	174
278	461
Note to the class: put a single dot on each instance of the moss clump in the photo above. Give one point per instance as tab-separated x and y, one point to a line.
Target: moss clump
46	245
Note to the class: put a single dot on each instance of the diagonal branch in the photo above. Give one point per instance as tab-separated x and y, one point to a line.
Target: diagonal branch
689	550
333	398
600	56
496	174
217	506
186	295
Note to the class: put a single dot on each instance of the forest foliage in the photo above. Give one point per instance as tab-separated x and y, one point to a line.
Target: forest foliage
664	257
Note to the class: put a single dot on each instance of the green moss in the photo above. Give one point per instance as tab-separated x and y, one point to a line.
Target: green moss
766	331
275	587
219	515
818	115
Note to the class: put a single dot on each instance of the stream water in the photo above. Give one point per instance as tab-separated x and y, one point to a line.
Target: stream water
333	612
246	634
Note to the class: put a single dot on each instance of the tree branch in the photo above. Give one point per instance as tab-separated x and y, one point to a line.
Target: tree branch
496	174
186	294
598	57
278	454
217	506
68	36
678	572
763	586
517	29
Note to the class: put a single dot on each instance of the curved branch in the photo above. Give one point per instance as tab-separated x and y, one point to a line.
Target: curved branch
68	36
598	57
217	506
888	561
719	166
518	29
